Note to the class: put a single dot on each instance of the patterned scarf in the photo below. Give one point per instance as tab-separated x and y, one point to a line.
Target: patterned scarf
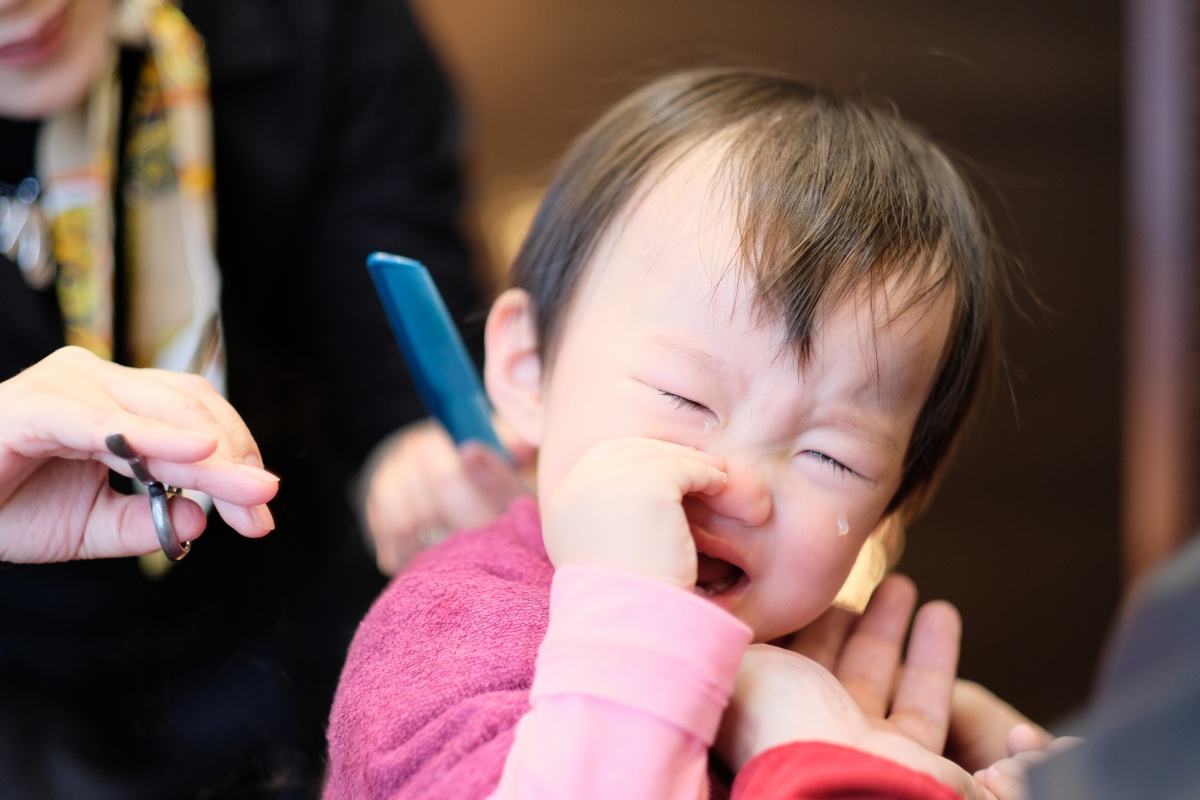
171	277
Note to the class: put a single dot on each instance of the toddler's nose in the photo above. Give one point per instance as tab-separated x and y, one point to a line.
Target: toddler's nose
746	496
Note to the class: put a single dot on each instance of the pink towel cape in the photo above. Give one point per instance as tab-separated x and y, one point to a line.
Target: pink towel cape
439	672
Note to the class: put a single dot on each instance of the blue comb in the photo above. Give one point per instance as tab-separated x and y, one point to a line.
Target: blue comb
445	376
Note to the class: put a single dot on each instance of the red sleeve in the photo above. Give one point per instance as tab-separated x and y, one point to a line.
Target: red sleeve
821	771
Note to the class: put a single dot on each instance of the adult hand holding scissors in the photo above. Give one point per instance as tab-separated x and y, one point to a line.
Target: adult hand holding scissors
55	501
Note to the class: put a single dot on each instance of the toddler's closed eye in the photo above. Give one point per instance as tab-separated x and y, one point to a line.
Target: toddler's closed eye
830	462
683	403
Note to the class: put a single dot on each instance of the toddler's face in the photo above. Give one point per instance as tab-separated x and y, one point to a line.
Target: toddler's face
662	342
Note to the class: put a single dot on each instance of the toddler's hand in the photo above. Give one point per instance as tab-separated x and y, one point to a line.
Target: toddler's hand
621	506
1006	777
984	729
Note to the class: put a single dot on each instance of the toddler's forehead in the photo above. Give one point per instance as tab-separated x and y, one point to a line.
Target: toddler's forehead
683	212
691	209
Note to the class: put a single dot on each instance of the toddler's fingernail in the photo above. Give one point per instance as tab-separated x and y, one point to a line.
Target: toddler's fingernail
262	517
253	459
1007	767
257	473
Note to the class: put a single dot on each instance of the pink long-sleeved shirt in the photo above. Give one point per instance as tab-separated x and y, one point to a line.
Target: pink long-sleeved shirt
470	677
480	672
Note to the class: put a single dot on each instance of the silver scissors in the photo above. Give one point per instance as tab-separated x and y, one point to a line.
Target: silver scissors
159	493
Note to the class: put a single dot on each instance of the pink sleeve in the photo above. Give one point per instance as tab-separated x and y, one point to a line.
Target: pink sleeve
629	687
822	771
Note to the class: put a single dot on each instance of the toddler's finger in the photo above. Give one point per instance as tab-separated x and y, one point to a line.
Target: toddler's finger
695	477
1005	779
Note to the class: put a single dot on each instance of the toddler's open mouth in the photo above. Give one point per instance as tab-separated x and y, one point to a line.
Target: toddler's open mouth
714	576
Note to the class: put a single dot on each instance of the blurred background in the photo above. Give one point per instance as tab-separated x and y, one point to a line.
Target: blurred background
1025	533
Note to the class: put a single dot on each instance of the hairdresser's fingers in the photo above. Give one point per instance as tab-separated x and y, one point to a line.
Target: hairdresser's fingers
418	508
921	709
251	521
1027	736
401	502
522	453
422	487
96	386
392	525
64	510
980	723
392	553
58	428
60	407
191	401
474	487
823	639
495	483
80	394
73	399
233	476
61	428
871	657
237	484
66	405
122	525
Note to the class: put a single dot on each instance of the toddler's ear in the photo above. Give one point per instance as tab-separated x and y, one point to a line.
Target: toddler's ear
512	369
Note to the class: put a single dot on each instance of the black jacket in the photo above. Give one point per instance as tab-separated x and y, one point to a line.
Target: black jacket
335	135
